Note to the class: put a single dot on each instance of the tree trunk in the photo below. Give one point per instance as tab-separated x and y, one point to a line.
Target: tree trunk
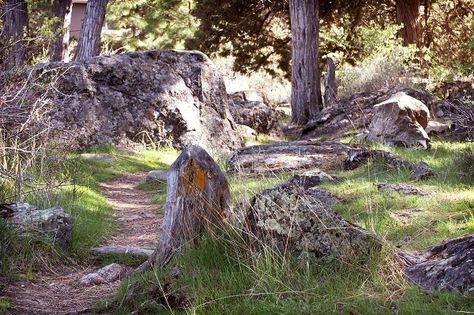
408	14
89	40
15	20
330	89
306	98
61	10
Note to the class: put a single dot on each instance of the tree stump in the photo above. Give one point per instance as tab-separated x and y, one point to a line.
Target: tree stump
197	199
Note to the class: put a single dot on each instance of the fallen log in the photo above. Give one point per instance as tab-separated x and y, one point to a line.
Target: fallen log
122	250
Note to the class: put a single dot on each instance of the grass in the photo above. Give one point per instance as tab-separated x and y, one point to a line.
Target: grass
222	276
23	257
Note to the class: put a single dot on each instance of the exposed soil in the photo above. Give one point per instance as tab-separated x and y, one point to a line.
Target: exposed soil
59	292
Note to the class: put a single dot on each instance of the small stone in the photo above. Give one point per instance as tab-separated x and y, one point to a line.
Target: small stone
157	176
436	128
401	188
100	157
310	178
107	274
421	171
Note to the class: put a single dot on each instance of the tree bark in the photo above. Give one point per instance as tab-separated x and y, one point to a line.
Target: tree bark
15	21
197	199
89	40
330	89
306	98
61	10
408	14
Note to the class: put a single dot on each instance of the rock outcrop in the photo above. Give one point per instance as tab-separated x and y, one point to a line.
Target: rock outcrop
287	156
53	223
400	120
448	266
161	97
291	220
248	108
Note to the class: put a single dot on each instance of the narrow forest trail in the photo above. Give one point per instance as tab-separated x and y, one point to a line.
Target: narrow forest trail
59	291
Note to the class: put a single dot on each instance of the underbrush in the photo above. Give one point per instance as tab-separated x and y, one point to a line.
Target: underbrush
219	274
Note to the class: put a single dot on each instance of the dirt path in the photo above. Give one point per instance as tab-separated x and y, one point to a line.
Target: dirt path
59	292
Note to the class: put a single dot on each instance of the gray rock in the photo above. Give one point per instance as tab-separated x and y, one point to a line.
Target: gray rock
287	156
157	176
248	108
289	219
310	178
161	97
107	274
400	120
55	223
101	157
436	128
448	266
421	171
401	188
246	131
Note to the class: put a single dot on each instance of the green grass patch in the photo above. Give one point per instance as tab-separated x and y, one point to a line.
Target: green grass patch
222	276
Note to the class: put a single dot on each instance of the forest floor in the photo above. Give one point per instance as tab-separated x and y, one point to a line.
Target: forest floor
58	291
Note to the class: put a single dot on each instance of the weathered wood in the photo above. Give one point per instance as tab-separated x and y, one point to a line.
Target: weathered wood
330	89
447	266
197	200
89	40
122	250
306	98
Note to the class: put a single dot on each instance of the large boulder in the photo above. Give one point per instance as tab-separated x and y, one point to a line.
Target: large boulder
352	115
400	120
164	97
248	108
291	220
282	157
53	223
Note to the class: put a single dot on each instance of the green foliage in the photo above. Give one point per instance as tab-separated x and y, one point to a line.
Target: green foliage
385	61
149	24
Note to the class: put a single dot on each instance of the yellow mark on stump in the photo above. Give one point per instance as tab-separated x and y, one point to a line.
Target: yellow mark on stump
200	178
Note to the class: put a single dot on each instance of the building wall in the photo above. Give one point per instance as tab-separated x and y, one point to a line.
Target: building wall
77	16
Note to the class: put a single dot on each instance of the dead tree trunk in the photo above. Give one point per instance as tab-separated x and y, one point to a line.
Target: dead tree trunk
89	40
306	98
408	15
15	21
61	10
330	89
197	199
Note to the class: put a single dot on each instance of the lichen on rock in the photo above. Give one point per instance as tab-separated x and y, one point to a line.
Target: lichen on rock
291	220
